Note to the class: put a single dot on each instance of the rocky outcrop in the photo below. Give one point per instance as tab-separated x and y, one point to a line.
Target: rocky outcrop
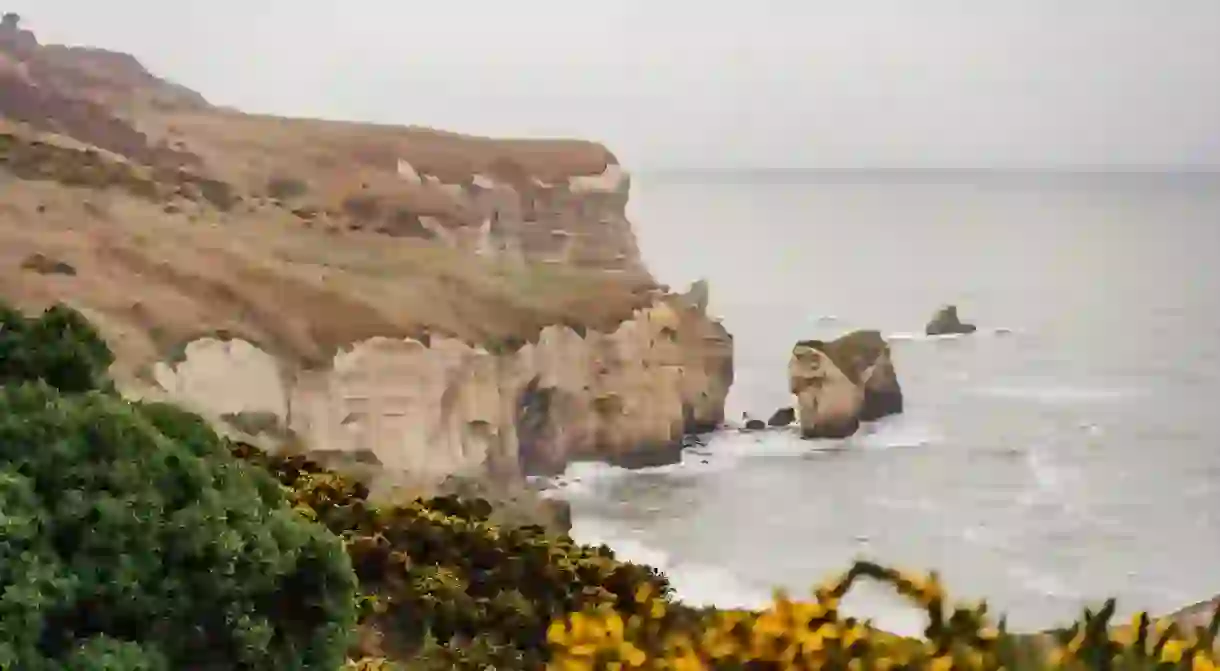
446	408
782	417
946	322
507	213
840	383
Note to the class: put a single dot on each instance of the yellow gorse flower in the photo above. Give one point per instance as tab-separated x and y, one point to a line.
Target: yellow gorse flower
795	634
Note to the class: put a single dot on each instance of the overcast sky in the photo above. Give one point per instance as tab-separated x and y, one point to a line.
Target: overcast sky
680	83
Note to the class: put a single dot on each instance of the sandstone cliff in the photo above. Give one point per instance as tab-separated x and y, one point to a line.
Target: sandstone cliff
433	303
443	408
549	201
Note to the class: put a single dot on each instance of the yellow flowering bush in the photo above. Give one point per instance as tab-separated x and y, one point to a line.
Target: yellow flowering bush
438	580
813	634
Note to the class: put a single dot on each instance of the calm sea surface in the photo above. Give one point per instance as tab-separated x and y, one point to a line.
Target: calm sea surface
1074	458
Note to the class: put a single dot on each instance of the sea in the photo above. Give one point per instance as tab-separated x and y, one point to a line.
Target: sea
1067	452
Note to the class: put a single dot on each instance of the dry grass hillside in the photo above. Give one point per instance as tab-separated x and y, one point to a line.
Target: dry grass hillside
136	201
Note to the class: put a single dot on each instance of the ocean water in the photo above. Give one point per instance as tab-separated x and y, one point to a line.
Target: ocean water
1067	452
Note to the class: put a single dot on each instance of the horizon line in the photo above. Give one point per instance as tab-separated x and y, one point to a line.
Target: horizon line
1049	169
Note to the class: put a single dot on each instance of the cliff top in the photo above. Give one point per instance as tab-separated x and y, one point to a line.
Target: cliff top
165	218
108	99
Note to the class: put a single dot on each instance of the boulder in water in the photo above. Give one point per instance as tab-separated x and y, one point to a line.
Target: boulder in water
755	425
782	417
946	322
840	383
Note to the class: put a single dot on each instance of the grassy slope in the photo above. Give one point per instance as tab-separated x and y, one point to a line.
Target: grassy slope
154	277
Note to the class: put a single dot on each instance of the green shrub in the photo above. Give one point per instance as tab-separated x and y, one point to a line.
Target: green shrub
130	539
130	534
60	347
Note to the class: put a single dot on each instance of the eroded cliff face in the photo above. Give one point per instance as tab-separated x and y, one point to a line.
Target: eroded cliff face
426	258
579	220
431	410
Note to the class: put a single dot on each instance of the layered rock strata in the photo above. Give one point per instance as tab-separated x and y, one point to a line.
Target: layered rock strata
446	408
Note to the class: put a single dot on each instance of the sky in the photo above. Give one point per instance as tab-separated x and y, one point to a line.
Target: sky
719	85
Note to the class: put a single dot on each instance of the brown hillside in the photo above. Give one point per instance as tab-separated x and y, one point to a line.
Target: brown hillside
109	100
138	202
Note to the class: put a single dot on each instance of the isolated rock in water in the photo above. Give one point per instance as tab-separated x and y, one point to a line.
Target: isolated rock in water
946	322
782	417
841	383
750	424
828	402
698	295
864	357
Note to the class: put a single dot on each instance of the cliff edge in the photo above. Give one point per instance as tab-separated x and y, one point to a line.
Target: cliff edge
407	298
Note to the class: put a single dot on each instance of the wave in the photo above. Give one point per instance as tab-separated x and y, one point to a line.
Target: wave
901	431
694	583
702	584
914	335
725	450
1057	394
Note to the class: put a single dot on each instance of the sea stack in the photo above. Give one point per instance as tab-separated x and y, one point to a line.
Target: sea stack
840	383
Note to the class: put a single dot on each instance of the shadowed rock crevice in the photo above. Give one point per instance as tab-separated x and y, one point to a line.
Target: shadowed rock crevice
533	424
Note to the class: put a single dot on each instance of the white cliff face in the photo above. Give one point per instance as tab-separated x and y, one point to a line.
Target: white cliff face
579	221
447	408
205	373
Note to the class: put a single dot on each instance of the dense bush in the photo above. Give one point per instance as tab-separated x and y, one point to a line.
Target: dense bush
131	539
436	574
60	347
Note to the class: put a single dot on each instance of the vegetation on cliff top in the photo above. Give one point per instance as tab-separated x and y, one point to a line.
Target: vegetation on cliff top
136	539
157	263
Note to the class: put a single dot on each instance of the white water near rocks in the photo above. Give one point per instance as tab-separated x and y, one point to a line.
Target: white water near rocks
1068	451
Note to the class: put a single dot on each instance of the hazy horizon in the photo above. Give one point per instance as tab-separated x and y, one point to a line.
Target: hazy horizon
814	85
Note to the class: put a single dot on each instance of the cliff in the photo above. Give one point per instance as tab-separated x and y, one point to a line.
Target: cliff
429	303
448	408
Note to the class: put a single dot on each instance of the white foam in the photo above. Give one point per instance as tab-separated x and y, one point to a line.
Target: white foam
914	335
1043	584
699	584
899	431
1053	394
886	610
725	450
694	583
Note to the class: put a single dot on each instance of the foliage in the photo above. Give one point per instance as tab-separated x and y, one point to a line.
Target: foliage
814	635
130	539
60	347
438	569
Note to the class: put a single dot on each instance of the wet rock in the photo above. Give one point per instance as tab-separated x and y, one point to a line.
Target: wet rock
946	322
840	383
782	417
